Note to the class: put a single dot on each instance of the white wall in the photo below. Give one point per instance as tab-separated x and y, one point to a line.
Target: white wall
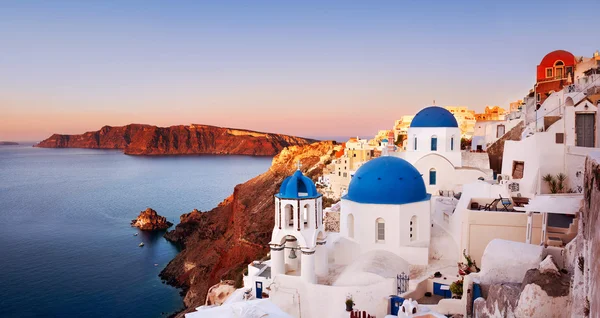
444	138
397	228
296	297
541	155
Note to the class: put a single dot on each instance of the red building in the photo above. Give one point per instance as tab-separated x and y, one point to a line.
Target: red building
555	71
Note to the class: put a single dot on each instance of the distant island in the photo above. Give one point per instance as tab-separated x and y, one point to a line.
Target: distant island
139	139
8	143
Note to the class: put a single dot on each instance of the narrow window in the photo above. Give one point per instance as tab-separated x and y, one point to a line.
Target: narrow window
548	72
380	230
434	143
415	143
452	143
500	130
432	176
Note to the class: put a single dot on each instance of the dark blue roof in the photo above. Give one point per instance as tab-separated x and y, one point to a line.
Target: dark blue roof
434	116
387	180
297	186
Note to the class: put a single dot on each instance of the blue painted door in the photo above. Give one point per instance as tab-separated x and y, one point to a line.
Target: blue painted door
395	303
476	293
437	290
259	289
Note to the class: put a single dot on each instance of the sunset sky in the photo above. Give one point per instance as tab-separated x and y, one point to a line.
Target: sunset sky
309	68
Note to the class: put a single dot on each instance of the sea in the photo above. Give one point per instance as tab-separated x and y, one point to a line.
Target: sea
66	245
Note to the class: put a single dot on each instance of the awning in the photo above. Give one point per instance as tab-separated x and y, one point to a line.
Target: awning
554	203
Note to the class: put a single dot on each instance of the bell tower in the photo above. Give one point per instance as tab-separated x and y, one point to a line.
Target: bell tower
298	239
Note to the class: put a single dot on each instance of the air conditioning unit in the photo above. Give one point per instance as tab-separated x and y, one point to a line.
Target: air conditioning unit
502	177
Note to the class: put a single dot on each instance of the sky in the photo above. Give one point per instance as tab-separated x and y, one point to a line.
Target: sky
308	68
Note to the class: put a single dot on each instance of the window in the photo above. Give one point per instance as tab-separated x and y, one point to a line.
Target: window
345	174
548	72
432	176
500	130
539	97
354	155
289	214
452	143
518	169
415	143
569	71
433	143
560	138
339	174
413	228
380	230
305	214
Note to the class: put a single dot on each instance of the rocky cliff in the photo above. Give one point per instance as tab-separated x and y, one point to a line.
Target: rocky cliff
219	244
149	220
137	139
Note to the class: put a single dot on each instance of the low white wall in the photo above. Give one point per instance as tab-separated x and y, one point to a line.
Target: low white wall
295	296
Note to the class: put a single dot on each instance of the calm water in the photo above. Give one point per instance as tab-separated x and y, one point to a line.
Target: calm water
66	247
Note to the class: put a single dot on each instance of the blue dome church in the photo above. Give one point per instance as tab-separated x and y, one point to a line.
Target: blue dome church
433	148
387	207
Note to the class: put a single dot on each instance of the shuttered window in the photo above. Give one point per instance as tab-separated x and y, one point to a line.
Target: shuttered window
584	127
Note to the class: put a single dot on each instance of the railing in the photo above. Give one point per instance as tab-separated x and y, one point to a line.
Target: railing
360	314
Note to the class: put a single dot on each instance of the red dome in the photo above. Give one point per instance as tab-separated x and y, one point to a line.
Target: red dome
551	58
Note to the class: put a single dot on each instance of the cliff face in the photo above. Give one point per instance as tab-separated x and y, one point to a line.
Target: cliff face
219	244
137	139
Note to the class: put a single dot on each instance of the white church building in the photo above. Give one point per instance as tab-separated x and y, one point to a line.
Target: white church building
433	147
387	207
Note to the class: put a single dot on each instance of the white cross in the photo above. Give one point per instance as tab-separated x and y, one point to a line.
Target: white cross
299	165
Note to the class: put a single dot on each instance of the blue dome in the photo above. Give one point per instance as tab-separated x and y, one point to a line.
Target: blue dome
434	116
385	140
297	186
387	180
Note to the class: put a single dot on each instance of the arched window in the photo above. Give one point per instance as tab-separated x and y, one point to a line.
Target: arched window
289	215
305	214
558	69
413	228
432	176
434	143
350	226
380	235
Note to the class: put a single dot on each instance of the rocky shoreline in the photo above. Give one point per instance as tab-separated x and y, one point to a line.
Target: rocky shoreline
218	244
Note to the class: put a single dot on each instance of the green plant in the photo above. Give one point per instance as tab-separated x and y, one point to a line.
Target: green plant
457	288
349	301
557	184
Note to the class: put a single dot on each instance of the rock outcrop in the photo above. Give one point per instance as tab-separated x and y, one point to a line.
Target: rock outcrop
149	220
219	244
8	143
137	139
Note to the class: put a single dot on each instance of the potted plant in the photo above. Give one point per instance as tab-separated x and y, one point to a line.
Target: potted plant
457	289
349	303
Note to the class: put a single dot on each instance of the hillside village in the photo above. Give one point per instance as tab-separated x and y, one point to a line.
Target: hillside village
449	213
